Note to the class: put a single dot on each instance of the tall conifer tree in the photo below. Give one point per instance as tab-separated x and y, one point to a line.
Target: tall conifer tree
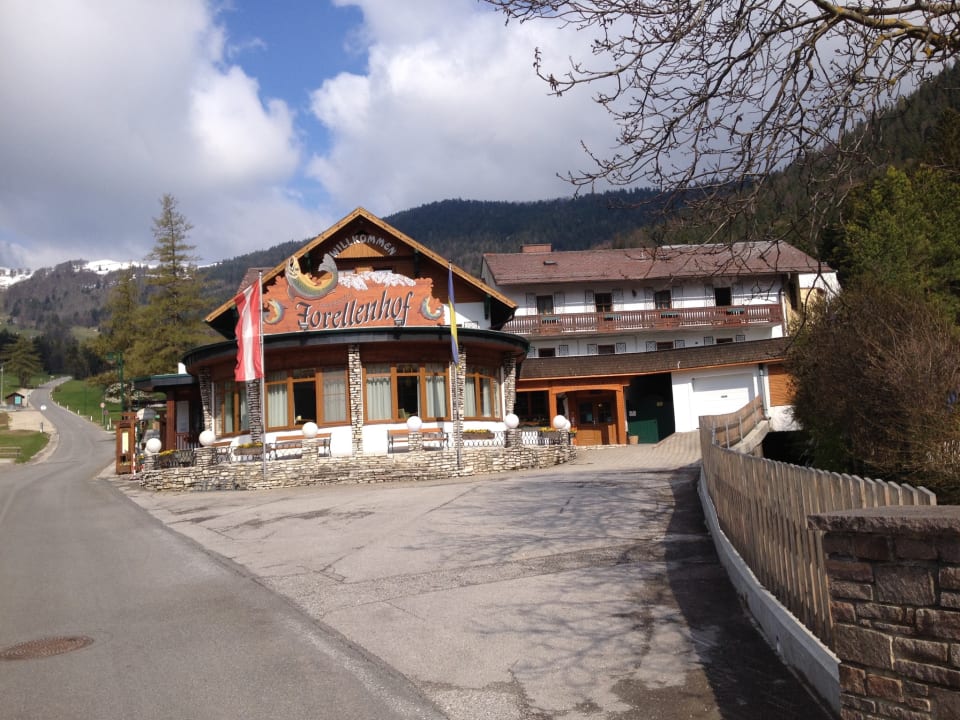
172	320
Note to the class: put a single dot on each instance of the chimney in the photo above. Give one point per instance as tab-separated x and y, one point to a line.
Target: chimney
538	248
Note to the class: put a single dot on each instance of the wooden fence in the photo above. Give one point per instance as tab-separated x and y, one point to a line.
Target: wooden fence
762	506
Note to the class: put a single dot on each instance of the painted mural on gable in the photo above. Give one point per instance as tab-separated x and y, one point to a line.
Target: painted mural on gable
332	300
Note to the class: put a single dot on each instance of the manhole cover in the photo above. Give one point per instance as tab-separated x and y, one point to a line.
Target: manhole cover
45	647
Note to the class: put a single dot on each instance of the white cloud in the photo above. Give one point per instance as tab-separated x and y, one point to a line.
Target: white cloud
450	107
107	105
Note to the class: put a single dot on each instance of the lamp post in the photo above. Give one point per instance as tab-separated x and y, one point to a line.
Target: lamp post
118	357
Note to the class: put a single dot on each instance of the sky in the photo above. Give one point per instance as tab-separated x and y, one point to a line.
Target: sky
268	120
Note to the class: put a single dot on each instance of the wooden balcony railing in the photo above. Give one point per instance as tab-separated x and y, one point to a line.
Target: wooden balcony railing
621	320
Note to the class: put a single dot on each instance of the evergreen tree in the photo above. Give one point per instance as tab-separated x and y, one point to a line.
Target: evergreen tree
904	230
22	360
172	320
121	329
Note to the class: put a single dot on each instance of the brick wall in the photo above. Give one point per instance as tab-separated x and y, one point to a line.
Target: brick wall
894	578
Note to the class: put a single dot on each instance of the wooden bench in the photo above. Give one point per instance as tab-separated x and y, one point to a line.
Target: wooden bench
401	438
291	446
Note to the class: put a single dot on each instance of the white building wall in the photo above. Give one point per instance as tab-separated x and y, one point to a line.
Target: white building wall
693	393
576	297
570	345
469	315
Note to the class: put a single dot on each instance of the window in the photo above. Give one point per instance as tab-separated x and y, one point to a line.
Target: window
547	352
305	395
621	347
436	387
708	340
480	391
661	299
724	341
545	304
651	346
532	407
606	349
678	344
667	345
603	301
392	393
231	408
722	297
333	386
378	392
563	350
408	390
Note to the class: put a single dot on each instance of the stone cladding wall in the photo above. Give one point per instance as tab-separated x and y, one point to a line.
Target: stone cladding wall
312	469
894	576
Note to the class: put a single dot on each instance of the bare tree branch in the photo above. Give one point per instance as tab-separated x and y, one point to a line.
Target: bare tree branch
713	95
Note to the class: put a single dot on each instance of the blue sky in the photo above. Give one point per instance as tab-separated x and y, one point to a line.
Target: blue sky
268	121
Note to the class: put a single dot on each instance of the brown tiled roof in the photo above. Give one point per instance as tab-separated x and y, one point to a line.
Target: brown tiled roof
645	363
667	262
251	277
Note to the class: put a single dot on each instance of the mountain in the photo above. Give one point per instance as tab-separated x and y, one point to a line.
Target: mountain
72	293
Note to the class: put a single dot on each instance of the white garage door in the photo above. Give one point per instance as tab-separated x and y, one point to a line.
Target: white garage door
721	394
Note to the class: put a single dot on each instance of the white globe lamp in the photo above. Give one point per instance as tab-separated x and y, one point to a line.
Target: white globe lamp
511	421
559	422
208	438
310	429
154	445
566	425
414	423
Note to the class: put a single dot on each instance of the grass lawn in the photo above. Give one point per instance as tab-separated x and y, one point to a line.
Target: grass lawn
30	442
84	399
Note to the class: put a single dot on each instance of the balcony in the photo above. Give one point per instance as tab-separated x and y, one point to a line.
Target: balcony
632	320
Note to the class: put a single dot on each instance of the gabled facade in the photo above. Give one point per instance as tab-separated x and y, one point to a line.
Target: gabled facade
357	338
637	303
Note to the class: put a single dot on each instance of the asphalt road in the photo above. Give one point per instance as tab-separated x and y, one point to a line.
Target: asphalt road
174	631
586	591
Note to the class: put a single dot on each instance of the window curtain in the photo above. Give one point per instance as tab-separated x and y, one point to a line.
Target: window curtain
226	420
436	396
334	395
242	398
379	393
470	397
277	405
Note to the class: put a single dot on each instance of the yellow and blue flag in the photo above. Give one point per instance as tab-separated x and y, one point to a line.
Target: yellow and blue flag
453	317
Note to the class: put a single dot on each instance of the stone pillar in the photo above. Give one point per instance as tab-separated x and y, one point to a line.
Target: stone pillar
509	382
309	456
206	397
149	462
894	577
355	385
203	457
416	441
254	411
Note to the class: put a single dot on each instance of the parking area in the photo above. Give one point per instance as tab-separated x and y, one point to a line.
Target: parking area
588	591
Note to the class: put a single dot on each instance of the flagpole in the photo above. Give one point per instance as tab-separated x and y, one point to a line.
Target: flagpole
263	374
457	413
